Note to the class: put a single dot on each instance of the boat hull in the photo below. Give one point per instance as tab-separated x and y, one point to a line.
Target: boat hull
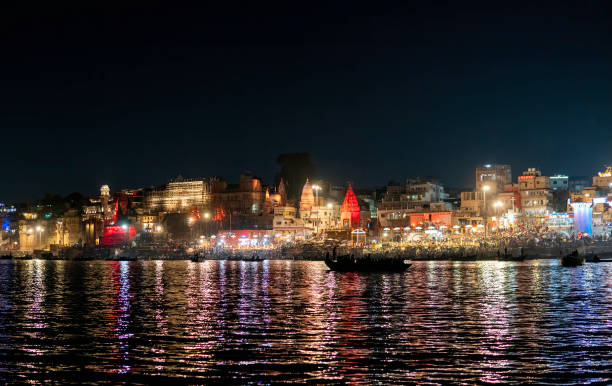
366	265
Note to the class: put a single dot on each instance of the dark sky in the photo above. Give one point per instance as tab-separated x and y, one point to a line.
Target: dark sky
131	96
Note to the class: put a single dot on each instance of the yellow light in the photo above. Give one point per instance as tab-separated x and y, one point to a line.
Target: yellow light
486	188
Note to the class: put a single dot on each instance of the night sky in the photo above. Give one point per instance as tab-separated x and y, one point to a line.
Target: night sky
132	96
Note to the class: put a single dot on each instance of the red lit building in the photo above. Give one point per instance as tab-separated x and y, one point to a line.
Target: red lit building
350	212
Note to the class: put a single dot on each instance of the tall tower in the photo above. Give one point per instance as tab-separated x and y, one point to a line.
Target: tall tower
282	190
350	212
307	199
496	177
104	201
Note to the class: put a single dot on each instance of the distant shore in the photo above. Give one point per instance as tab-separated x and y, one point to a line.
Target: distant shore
600	250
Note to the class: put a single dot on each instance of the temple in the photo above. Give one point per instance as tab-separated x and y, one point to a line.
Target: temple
119	229
349	212
307	198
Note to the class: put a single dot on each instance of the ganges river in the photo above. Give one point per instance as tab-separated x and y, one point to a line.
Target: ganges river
295	321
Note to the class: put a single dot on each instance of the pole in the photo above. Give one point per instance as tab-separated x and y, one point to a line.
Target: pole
316	206
485	212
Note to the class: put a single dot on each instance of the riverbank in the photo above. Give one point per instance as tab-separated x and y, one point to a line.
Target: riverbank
415	253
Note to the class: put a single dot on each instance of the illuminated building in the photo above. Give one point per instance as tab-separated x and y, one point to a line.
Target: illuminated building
559	182
245	198
244	238
425	190
181	195
420	201
603	180
510	198
560	222
533	179
322	217
307	200
583	217
472	202
417	193
120	229
402	219
68	228
287	226
95	216
536	195
105	202
314	211
350	213
496	177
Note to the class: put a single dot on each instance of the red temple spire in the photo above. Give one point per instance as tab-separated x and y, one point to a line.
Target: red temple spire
349	212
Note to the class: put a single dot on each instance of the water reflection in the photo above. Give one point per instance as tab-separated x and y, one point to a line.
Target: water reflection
284	321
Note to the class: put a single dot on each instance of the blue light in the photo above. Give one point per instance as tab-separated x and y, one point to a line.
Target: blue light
583	217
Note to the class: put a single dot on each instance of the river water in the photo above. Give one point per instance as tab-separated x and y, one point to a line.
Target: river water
288	321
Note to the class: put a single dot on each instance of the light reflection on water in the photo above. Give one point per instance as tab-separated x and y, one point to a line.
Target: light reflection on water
276	321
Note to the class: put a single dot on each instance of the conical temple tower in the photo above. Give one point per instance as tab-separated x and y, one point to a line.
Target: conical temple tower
307	199
349	212
282	190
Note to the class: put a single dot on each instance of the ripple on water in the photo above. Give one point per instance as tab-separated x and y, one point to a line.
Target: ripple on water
282	321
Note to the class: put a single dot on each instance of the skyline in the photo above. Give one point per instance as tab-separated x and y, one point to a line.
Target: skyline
471	186
131	97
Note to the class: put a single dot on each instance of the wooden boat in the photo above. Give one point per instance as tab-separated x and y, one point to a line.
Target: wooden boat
350	263
198	257
572	260
509	257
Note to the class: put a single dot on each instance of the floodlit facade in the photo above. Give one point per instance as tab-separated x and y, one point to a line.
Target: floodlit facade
559	182
181	195
536	195
287	226
603	179
350	214
496	177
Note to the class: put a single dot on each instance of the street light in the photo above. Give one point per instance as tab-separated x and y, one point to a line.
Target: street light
125	231
316	188
39	229
485	189
497	205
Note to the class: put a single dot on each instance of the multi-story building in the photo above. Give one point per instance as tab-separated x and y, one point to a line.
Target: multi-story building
473	202
181	195
496	177
559	182
536	195
419	200
418	194
603	180
246	197
533	179
287	226
425	190
578	183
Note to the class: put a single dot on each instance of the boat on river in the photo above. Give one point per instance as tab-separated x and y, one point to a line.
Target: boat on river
368	263
572	260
